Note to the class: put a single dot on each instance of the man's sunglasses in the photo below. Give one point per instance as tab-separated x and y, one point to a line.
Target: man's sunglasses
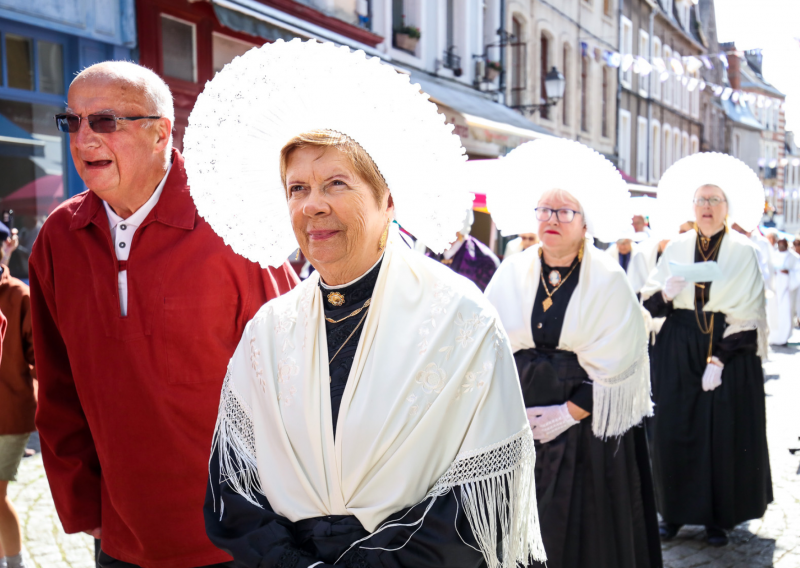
100	123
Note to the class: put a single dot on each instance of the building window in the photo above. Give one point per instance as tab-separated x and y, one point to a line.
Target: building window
564	101
32	64
694	144
627	50
19	62
225	49
644	51
625	141
604	104
179	49
655	151
544	55
585	93
655	76
667	85
517	63
685	150
676	143
607	7
641	149
667	147
677	95
398	14
51	68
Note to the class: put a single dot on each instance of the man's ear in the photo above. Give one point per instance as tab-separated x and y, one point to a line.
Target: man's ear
163	129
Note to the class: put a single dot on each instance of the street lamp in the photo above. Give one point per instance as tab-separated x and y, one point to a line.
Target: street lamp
554	85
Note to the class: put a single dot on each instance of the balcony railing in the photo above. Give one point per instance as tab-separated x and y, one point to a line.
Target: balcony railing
451	61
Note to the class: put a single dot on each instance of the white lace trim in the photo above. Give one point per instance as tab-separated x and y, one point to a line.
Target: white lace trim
234	441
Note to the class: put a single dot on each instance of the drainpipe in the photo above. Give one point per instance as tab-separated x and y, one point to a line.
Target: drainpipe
619	80
650	97
501	33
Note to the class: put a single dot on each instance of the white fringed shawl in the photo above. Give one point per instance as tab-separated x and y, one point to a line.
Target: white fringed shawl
603	326
432	402
739	294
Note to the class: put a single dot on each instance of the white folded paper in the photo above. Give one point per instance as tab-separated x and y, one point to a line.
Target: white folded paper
697	271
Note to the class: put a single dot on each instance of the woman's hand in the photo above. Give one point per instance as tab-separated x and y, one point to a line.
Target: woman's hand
712	377
548	422
672	287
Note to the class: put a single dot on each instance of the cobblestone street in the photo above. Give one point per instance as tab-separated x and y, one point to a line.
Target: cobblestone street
771	541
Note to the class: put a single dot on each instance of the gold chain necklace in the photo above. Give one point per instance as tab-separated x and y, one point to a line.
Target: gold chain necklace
547	303
352	333
706	328
355	313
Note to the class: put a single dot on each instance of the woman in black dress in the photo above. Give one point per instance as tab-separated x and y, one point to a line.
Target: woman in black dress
710	457
372	417
580	347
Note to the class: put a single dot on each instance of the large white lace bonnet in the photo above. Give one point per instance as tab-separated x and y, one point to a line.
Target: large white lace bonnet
677	187
266	97
527	172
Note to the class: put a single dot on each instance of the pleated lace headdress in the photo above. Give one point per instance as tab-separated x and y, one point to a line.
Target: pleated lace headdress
271	94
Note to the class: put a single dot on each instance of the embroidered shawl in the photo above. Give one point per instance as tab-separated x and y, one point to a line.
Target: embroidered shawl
739	294
603	326
432	402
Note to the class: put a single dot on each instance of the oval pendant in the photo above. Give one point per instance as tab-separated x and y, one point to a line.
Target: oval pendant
554	278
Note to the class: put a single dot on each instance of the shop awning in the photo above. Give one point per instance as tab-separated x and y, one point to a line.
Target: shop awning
257	19
489	122
10	133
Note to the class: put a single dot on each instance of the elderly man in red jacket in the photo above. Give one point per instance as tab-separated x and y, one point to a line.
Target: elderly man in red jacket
137	307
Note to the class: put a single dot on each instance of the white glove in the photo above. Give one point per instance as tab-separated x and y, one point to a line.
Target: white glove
548	422
673	286
712	377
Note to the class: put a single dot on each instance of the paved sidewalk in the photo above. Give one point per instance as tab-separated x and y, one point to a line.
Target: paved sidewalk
771	541
44	540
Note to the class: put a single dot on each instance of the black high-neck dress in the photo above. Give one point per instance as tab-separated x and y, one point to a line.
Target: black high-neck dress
710	457
261	538
595	497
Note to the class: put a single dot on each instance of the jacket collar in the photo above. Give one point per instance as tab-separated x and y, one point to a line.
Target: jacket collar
175	207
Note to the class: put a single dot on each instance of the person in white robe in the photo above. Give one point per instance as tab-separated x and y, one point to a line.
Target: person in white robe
785	283
710	457
581	350
372	416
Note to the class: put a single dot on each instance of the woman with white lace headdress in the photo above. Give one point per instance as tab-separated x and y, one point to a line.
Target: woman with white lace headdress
372	416
710	457
580	347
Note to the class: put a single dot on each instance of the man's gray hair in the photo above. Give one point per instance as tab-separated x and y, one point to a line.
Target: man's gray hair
153	88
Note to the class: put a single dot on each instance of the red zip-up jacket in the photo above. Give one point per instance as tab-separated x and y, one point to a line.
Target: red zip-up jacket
127	405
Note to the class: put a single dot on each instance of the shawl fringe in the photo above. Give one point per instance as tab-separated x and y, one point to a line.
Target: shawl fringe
499	498
234	441
621	402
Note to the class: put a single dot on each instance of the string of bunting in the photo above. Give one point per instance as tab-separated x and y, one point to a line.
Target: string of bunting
683	68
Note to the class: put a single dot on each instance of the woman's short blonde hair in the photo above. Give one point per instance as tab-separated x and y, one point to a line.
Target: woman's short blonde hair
360	161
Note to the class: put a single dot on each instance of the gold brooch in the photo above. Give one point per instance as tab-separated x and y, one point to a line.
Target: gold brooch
336	299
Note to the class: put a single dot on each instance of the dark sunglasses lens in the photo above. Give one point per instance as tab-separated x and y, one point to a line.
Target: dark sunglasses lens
102	123
67	123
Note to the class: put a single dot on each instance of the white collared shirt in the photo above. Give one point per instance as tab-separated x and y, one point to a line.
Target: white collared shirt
122	231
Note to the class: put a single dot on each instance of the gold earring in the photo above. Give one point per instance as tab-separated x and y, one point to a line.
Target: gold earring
297	254
580	252
384	236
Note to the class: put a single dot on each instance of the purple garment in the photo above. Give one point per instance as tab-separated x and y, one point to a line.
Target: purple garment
474	260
